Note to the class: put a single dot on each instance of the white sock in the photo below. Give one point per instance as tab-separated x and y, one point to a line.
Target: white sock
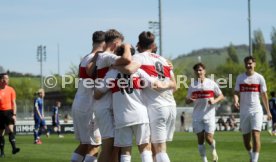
202	152
90	158
125	158
213	146
162	157
146	156
255	157
76	157
204	159
250	153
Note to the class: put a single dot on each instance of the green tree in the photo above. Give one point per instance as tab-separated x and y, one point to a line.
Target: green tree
259	48
25	87
229	71
182	89
69	90
262	66
232	54
273	48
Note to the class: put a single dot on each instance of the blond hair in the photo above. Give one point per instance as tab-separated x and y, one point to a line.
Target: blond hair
41	90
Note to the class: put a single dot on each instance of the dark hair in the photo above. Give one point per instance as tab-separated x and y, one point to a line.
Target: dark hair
2	75
198	65
120	50
146	39
272	94
113	34
98	37
155	48
247	58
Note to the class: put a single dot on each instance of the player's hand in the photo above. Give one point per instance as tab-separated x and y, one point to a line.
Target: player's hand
14	118
237	105
211	101
127	45
269	116
170	64
190	100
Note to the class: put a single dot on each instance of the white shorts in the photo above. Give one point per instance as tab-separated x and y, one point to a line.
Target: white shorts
105	121
208	125
85	128
123	136
251	121
162	123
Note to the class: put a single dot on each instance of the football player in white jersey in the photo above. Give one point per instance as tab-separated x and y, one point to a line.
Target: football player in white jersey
249	87
161	105
102	107
204	93
85	128
131	117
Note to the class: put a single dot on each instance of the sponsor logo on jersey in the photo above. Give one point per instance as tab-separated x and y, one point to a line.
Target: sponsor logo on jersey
250	88
202	94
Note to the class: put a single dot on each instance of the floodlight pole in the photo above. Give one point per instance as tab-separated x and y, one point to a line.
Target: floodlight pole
249	29
160	28
58	59
41	56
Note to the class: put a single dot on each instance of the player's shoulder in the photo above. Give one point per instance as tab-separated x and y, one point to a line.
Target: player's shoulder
140	55
258	75
86	59
102	54
107	55
9	88
211	82
242	75
36	99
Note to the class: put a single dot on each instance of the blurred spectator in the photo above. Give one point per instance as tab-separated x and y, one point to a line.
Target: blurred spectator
55	118
66	118
231	122
182	122
221	123
272	107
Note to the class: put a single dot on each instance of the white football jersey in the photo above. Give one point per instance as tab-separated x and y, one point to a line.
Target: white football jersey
84	99
250	88
203	92
128	105
155	66
104	61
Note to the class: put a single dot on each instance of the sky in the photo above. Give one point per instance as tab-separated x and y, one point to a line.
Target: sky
187	25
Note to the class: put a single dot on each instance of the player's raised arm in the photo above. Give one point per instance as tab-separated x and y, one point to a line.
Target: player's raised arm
130	68
189	100
125	59
90	68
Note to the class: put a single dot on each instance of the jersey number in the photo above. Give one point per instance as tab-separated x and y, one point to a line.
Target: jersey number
160	70
128	89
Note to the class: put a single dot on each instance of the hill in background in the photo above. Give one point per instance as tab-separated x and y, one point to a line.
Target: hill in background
211	57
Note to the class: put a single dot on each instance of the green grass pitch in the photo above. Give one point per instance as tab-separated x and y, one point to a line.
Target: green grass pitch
182	149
